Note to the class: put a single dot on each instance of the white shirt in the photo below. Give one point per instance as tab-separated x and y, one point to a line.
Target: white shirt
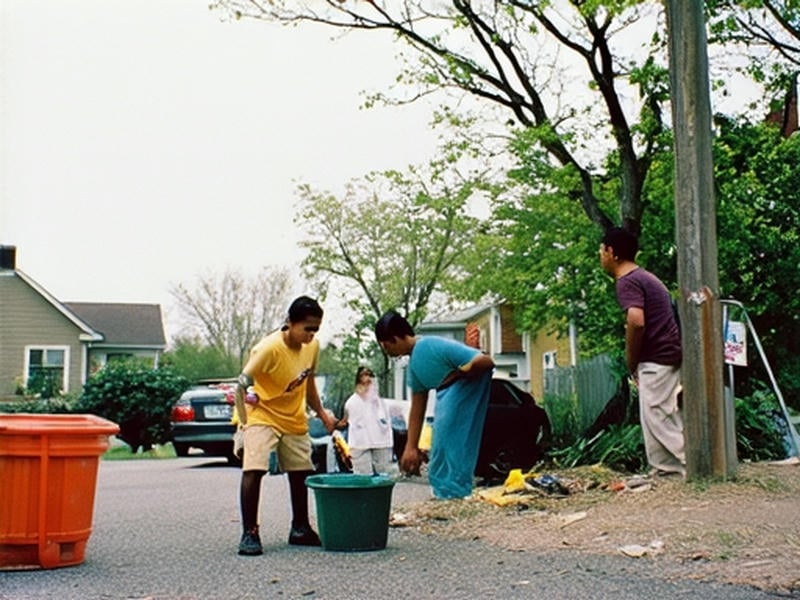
369	424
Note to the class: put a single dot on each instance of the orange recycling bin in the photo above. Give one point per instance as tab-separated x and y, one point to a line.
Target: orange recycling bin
48	476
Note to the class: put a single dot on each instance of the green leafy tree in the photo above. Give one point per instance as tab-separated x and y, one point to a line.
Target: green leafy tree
767	33
338	366
758	179
196	360
390	241
547	256
557	73
339	361
136	397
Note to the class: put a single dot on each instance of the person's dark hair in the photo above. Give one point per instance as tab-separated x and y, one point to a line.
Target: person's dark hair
302	308
392	325
361	370
624	243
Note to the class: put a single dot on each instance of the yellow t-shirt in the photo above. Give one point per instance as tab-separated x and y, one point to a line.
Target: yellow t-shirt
280	375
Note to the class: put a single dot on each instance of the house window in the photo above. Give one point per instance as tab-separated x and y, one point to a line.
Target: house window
45	368
549	360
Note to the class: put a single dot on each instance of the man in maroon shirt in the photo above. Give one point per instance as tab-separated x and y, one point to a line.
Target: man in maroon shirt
652	350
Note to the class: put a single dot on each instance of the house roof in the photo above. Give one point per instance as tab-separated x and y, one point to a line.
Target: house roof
87	332
456	319
123	324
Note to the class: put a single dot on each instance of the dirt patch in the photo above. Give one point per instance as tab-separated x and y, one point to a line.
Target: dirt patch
745	531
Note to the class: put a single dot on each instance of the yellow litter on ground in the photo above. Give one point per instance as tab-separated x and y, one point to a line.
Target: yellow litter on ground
510	492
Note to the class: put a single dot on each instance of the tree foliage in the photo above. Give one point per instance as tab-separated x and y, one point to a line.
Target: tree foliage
195	360
546	256
392	237
390	241
136	397
579	88
561	73
230	312
338	364
758	180
766	31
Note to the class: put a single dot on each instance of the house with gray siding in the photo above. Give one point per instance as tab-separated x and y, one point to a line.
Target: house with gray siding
41	336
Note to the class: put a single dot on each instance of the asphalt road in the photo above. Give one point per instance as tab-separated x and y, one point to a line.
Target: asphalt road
169	529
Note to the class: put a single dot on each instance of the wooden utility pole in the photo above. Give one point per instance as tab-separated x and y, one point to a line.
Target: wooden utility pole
708	440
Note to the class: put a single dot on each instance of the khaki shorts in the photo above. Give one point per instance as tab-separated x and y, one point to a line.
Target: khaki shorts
294	451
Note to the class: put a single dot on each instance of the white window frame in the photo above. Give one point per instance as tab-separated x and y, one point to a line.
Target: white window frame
44	348
497	332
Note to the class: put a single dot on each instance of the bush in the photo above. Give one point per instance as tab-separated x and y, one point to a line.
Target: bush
139	399
760	427
761	434
44	384
619	447
59	405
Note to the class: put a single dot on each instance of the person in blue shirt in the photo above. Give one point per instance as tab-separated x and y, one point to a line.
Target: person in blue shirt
461	376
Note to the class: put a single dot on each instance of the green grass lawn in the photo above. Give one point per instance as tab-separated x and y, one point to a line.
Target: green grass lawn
124	453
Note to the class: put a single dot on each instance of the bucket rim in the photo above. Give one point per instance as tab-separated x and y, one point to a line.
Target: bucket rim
348	481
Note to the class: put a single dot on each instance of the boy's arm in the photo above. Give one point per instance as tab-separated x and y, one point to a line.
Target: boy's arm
412	456
479	364
313	401
242	384
634	332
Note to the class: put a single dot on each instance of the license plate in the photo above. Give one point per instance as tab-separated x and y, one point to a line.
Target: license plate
217	411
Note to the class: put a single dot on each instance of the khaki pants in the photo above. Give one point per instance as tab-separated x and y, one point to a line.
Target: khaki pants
294	451
662	425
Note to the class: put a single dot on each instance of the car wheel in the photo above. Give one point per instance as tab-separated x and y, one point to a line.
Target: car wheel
181	449
319	458
502	462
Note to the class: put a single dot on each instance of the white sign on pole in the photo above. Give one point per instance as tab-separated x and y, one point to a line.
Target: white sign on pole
736	344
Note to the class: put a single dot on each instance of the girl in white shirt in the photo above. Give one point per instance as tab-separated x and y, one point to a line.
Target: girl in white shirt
369	425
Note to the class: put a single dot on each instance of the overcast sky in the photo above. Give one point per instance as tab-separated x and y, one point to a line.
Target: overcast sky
144	142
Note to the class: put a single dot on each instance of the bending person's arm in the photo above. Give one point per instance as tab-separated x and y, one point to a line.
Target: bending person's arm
476	367
412	456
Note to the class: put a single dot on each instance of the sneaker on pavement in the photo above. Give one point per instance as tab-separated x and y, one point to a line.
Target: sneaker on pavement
303	536
250	545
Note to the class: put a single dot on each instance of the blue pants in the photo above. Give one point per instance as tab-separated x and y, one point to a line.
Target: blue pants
457	430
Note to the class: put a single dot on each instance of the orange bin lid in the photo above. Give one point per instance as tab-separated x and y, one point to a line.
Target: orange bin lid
45	424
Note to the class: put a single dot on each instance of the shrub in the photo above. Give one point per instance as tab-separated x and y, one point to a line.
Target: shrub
139	399
58	405
44	384
761	434
619	447
760	426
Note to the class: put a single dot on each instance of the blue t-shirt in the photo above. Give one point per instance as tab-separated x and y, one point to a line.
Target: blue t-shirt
433	358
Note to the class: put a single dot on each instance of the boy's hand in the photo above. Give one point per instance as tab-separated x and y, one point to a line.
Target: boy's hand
412	460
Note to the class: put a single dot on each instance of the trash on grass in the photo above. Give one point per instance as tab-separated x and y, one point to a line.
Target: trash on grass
638	551
572	518
519	487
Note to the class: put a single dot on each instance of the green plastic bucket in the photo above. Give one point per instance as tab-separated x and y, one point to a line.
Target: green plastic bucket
352	510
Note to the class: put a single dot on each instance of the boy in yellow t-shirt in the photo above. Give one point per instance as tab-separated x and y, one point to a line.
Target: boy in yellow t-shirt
280	371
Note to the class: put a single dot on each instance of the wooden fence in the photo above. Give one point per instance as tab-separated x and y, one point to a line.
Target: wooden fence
575	396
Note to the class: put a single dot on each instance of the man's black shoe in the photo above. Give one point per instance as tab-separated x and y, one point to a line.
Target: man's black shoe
251	543
303	536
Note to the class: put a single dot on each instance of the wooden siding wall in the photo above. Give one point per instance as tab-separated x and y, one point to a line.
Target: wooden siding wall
540	344
27	319
510	339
